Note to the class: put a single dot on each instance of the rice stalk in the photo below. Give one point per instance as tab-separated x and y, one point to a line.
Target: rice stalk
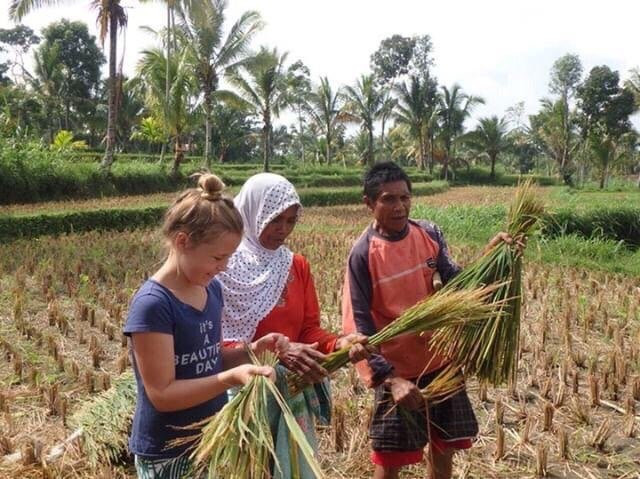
237	442
489	349
445	308
106	421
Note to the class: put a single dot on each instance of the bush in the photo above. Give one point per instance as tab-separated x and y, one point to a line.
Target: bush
618	224
14	227
481	176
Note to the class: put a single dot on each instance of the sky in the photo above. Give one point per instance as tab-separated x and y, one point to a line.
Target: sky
497	49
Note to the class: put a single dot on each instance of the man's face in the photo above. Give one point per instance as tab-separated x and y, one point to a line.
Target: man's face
391	208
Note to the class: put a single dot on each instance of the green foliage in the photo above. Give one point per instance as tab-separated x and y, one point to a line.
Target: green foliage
78	63
64	142
617	224
480	176
14	227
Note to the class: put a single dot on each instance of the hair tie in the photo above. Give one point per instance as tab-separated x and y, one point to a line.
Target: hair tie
210	196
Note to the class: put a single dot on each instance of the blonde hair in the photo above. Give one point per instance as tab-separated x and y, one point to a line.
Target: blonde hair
203	213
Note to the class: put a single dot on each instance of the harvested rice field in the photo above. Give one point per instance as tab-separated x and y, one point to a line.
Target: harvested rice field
574	411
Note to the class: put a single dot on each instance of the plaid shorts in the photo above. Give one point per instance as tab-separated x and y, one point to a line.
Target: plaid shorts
176	468
398	429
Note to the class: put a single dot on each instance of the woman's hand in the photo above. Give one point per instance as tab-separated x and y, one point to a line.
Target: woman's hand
274	342
242	374
357	344
304	359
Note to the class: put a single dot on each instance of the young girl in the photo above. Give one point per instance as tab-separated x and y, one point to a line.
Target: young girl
182	371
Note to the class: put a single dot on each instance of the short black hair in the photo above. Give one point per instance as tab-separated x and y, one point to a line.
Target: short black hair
381	173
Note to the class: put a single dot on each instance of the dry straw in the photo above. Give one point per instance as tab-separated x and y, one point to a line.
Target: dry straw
446	307
489	349
237	443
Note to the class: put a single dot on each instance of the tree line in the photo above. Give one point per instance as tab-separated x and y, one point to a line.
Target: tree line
203	88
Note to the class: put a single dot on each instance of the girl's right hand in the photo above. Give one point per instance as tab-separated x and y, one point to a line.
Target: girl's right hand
244	373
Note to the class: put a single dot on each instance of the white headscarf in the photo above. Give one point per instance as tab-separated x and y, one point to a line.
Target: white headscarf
256	276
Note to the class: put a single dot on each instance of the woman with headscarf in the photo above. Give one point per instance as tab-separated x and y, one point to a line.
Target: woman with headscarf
267	288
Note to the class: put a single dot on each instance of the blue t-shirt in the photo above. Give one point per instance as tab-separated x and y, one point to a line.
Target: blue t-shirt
197	346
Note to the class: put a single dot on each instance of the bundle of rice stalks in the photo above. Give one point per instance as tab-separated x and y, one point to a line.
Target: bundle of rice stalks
237	442
488	349
450	307
106	421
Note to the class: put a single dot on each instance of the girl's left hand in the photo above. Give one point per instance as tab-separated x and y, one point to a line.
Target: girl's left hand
274	342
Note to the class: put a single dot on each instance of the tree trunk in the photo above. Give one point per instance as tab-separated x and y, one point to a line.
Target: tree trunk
207	139
423	150
266	140
301	135
166	84
445	164
431	159
328	148
107	161
208	108
384	119
178	155
370	154
493	167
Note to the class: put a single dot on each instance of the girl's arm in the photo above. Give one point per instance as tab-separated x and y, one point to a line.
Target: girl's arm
154	356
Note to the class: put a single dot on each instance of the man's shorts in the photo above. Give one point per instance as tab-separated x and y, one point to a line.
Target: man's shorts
398	436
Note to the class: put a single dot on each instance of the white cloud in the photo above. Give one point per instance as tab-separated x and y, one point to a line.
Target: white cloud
502	50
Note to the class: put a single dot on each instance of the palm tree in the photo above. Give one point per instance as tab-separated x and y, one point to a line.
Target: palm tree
364	103
261	89
48	82
609	149
111	17
325	110
171	5
416	107
177	116
210	53
455	108
387	110
299	88
490	138
548	130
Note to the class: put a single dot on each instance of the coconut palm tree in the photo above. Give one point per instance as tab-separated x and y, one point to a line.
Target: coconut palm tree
325	108
111	17
549	131
178	114
364	103
211	54
261	88
490	138
455	108
48	82
417	102
168	42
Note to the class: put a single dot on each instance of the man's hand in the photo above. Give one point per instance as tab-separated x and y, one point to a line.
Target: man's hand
356	343
304	359
405	393
504	237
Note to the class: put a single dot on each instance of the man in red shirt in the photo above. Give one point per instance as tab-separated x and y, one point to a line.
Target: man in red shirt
390	268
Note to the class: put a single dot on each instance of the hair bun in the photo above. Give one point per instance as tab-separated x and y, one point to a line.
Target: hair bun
211	186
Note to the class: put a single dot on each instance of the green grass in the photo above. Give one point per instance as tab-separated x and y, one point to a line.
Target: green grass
586	198
474	226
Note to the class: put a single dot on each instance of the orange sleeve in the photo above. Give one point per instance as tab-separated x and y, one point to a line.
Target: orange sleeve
311	331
